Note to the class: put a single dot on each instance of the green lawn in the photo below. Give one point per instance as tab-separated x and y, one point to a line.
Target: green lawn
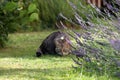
18	61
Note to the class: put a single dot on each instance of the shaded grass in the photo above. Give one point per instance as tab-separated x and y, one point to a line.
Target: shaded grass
18	62
33	68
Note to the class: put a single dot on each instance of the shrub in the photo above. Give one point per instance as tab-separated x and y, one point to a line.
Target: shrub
3	35
93	54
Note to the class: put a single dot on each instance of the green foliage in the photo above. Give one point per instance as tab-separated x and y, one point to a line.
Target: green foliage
32	7
49	11
3	35
10	6
34	16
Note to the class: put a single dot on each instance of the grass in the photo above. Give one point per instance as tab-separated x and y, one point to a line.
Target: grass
18	62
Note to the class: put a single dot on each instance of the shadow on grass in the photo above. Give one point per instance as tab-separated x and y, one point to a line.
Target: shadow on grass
42	74
49	74
17	52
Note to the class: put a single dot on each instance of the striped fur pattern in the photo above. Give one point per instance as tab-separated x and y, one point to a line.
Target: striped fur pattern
55	43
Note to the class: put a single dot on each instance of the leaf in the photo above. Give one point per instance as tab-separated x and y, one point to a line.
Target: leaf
10	6
32	7
34	16
23	13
